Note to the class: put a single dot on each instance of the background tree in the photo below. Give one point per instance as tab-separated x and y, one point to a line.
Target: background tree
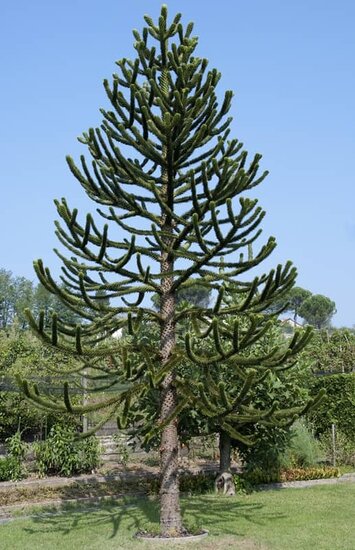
331	351
197	295
19	293
295	298
23	354
317	310
7	293
16	293
169	182
291	301
43	301
24	299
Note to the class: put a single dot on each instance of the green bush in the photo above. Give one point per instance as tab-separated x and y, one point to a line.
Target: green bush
197	484
242	485
16	447
338	405
303	450
269	451
10	469
21	353
14	410
122	450
65	455
256	476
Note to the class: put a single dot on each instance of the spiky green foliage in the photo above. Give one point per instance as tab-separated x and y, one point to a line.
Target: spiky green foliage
166	115
264	385
171	188
248	352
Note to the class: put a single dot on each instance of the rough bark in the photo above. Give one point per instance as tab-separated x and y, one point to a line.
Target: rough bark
170	514
224	452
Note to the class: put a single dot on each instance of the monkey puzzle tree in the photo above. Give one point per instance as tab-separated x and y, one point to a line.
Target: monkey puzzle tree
165	176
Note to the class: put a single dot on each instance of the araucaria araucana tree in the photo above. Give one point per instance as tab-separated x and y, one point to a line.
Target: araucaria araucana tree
166	178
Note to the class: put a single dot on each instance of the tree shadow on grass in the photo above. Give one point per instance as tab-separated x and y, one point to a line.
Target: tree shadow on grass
223	515
132	514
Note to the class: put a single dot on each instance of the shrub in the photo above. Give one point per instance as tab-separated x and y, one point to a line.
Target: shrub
268	453
14	408
10	469
21	353
277	449
197	484
122	450
16	447
257	475
242	485
65	455
303	449
338	405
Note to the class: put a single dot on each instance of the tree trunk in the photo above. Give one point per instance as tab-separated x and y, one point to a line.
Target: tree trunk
170	515
224	452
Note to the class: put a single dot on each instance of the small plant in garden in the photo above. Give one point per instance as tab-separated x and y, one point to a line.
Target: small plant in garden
63	454
122	450
242	485
193	527
305	474
12	468
16	447
151	528
304	449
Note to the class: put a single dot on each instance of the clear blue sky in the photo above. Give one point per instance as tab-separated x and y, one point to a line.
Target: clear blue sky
291	66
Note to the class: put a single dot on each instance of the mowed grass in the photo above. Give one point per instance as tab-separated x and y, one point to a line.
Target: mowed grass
319	518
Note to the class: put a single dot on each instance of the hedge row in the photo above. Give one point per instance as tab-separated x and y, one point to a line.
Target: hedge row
338	407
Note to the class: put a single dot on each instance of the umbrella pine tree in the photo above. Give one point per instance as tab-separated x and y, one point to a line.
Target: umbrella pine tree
168	182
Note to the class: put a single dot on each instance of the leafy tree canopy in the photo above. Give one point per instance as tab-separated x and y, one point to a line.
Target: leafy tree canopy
331	351
317	310
19	293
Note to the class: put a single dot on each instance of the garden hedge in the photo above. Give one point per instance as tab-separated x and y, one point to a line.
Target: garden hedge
338	407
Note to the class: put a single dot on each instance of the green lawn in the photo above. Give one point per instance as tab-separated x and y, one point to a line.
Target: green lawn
318	518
